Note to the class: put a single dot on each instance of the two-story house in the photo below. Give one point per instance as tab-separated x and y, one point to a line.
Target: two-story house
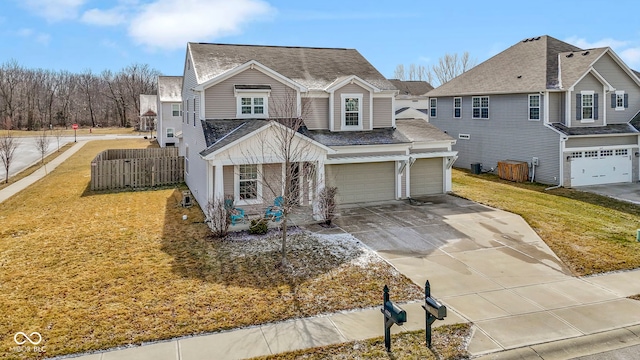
237	100
169	110
564	110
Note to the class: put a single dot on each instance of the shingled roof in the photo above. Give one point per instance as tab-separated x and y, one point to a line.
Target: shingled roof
314	68
170	88
411	87
531	65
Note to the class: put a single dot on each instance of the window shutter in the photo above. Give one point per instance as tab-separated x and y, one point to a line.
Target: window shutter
626	100
595	106
578	107
613	100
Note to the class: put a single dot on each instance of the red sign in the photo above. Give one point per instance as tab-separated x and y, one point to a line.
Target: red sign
74	126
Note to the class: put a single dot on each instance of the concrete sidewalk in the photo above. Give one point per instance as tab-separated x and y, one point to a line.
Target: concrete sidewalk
275	338
25	182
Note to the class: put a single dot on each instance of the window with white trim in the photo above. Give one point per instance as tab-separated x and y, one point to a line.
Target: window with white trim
248	185
175	110
433	107
587	106
170	132
480	106
186	159
619	100
252	105
534	107
457	107
351	111
194	111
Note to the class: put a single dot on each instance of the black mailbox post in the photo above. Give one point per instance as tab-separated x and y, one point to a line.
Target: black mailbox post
433	310
393	314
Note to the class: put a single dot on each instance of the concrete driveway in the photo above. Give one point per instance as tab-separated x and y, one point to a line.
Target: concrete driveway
629	192
490	268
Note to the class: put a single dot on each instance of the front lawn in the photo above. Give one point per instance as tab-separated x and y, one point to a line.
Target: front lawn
590	233
90	270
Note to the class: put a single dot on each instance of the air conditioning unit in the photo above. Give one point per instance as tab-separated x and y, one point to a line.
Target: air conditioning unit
186	199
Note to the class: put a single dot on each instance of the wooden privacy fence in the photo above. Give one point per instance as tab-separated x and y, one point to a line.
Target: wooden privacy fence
136	168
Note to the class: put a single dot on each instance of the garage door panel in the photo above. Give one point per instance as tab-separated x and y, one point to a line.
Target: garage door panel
363	182
595	167
427	177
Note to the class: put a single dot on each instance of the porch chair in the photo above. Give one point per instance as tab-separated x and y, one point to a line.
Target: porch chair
274	211
236	214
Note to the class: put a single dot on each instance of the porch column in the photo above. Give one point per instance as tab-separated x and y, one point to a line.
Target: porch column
407	180
319	186
218	182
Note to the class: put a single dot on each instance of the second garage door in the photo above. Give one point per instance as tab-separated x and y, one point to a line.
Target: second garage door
363	182
596	167
427	177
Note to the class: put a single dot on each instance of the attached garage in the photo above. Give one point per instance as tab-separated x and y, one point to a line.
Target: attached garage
595	167
362	182
427	177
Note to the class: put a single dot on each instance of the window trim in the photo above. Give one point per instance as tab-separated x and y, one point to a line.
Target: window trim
236	185
480	107
582	107
343	113
173	133
620	95
459	107
252	94
186	159
529	107
173	110
433	108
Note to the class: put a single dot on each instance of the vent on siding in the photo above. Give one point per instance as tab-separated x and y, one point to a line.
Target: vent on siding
464	136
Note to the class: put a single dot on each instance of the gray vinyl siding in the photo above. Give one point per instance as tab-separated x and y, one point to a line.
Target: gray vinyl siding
382	113
588	83
318	116
168	121
506	135
601	141
620	80
220	99
556	112
193	137
228	174
337	105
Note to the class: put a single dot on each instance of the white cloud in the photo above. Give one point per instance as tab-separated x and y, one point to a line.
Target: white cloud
111	17
585	44
631	56
42	38
170	24
53	10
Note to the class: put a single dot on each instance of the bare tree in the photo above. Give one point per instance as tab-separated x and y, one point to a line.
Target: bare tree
42	144
57	133
8	146
449	66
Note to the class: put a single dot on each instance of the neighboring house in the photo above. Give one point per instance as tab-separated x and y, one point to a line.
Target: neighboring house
411	101
564	110
232	93
169	110
148	112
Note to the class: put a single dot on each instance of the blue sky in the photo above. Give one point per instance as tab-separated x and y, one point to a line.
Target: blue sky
96	34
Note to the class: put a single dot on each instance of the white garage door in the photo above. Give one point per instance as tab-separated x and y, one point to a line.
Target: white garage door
594	167
363	182
427	177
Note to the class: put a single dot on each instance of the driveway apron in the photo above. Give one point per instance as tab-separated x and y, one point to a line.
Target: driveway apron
489	267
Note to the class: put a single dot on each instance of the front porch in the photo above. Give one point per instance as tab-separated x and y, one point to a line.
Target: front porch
300	215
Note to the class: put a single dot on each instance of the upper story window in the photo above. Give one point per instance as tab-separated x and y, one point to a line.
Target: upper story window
480	105
587	106
534	107
194	111
433	107
351	111
176	110
619	100
457	107
252	101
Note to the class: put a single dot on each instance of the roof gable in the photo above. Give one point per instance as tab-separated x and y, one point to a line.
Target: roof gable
254	65
313	68
170	88
148	105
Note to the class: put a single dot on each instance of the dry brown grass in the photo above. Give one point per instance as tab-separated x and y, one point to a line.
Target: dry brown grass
30	170
448	343
84	131
96	270
590	233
